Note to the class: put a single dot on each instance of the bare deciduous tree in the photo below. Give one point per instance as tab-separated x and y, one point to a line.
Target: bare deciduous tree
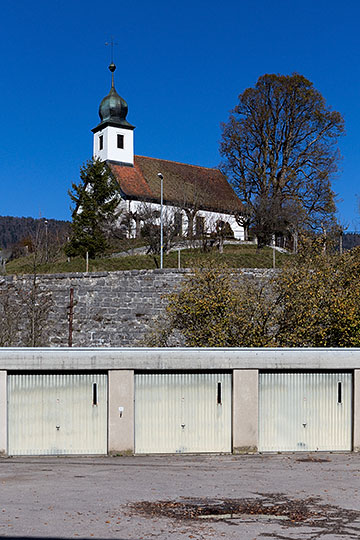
24	305
24	314
150	227
279	150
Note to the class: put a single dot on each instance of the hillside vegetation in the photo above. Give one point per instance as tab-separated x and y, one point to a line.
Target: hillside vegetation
234	256
14	230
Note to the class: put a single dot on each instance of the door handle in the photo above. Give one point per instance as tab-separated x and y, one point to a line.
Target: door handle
304	425
183	425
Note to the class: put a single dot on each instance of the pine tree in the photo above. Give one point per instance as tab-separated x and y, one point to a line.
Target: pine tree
95	209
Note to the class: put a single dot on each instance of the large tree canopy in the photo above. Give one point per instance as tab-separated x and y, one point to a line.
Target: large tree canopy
279	149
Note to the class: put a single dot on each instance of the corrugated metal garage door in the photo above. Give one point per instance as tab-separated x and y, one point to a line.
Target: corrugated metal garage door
305	411
57	414
178	413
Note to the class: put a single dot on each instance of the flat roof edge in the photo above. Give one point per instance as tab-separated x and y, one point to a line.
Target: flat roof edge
179	359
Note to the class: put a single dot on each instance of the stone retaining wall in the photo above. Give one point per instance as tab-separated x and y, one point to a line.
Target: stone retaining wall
111	309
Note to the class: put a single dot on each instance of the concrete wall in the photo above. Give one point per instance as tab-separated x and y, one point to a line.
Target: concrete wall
121	412
3	413
177	358
245	411
356	400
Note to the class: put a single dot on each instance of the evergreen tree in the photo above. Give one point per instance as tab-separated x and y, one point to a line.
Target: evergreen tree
95	209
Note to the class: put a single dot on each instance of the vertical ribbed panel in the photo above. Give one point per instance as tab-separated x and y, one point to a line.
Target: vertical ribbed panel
300	411
179	413
54	414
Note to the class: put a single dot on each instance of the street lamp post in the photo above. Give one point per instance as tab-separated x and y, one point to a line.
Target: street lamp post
161	219
46	240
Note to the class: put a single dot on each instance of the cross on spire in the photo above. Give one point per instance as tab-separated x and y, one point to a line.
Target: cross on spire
111	43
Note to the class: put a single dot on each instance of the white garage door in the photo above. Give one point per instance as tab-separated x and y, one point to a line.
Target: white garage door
178	413
305	411
57	414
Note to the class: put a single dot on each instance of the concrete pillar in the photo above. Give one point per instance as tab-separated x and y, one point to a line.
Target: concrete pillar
121	411
3	413
245	410
356	437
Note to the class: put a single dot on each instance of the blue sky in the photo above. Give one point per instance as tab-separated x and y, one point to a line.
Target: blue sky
180	67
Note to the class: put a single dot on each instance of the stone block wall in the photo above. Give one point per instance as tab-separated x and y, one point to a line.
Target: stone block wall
111	309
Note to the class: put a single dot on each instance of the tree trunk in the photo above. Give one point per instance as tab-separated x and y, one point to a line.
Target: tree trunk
295	237
221	244
137	226
263	239
190	228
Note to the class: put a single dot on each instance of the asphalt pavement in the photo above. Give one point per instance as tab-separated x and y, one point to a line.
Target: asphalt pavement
286	497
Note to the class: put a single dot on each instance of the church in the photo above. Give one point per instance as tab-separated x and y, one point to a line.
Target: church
198	199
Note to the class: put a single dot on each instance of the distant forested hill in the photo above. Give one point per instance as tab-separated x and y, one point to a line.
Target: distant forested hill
351	240
15	229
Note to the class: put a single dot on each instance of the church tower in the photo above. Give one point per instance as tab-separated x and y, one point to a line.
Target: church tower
114	136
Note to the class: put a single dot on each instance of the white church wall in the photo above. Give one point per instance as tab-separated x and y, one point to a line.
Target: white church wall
110	151
210	218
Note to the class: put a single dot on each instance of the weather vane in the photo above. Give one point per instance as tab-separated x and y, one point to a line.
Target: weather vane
112	43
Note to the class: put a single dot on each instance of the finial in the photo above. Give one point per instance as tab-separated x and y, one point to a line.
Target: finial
112	66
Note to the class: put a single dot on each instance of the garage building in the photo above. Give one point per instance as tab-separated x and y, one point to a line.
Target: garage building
59	401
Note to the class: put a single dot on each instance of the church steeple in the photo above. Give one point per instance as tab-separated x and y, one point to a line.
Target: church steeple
113	137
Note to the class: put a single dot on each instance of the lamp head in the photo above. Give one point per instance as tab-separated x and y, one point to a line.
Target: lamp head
160	176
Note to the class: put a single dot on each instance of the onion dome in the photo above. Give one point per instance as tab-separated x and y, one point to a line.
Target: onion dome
113	108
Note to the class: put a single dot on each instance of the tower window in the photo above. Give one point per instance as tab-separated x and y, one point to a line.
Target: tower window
101	142
120	141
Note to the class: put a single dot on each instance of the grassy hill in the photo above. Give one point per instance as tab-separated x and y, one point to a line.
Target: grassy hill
234	256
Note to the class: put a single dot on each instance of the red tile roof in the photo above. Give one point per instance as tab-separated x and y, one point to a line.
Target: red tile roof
183	183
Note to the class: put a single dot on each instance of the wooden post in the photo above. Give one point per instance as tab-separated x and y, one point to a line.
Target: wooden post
71	316
273	243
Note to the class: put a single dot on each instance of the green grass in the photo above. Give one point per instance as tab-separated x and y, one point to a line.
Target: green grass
234	256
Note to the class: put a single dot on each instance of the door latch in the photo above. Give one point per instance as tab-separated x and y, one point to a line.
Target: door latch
183	425
57	428
304	425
